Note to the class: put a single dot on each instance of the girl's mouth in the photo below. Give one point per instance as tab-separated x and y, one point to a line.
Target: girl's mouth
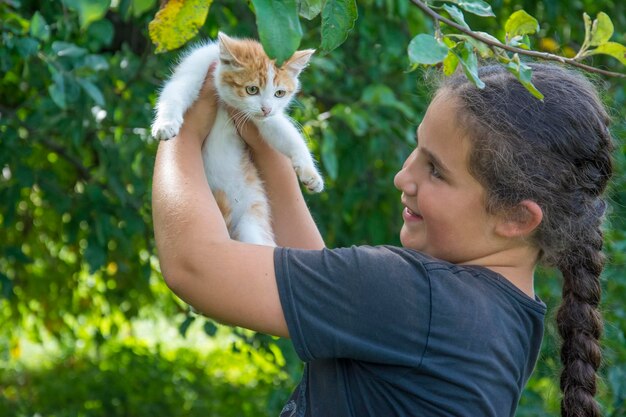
410	215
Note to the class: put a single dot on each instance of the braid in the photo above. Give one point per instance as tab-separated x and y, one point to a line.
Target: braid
557	153
580	325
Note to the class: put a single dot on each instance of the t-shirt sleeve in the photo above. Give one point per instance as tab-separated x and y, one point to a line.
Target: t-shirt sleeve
364	303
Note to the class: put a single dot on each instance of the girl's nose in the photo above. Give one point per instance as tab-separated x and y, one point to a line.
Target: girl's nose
404	182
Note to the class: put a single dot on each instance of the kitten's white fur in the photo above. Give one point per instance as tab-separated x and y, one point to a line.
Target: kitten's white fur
224	152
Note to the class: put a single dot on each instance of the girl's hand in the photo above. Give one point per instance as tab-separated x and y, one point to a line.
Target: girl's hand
199	118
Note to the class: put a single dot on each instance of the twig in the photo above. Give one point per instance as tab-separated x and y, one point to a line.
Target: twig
543	55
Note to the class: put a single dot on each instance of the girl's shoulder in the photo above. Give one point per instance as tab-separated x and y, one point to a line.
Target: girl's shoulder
450	280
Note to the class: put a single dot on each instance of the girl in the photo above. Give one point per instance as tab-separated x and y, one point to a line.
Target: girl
448	325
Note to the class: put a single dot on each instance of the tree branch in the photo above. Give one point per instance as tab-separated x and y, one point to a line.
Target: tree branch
542	55
83	173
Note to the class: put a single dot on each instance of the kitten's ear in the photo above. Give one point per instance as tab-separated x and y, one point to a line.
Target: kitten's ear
298	61
226	50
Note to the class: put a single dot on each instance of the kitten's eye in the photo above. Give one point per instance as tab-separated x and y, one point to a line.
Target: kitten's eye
253	90
280	93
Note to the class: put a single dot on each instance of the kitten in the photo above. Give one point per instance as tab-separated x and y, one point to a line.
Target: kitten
247	80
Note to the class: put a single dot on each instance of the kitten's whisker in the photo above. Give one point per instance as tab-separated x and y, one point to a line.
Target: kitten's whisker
233	116
297	124
245	118
236	118
241	119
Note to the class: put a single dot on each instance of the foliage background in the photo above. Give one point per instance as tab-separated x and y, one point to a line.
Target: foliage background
87	327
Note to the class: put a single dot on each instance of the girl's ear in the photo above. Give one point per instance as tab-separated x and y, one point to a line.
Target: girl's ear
298	61
520	221
226	50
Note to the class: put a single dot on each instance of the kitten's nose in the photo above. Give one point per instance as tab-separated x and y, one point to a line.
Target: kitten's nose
266	110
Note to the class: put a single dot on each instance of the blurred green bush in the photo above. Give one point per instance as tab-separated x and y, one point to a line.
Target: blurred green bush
131	379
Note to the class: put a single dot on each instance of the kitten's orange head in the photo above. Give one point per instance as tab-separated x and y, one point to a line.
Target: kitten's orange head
249	81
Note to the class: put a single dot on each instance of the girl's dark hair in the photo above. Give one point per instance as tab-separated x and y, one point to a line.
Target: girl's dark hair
557	153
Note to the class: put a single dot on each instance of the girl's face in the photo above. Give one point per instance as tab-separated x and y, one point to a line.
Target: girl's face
445	214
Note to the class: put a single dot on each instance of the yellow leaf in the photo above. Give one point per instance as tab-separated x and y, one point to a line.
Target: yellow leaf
450	63
569	52
602	30
614	49
16	350
112	268
548	44
177	22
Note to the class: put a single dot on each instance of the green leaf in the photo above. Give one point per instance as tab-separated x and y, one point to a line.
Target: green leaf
329	154
142	6
425	49
7	286
58	95
338	17
354	117
524	74
96	62
309	9
602	30
102	31
88	10
67	49
520	23
482	48
39	28
378	94
57	90
124	8
210	328
184	326
469	63
520	41
26	46
93	91
177	22
95	256
614	49
456	15
477	7
280	41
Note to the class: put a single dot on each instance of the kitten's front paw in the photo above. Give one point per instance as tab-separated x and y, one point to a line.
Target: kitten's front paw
164	130
311	179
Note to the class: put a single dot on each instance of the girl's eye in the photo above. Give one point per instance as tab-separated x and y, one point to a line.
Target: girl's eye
253	90
280	93
433	171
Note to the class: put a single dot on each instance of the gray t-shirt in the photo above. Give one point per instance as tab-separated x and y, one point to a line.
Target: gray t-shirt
388	331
